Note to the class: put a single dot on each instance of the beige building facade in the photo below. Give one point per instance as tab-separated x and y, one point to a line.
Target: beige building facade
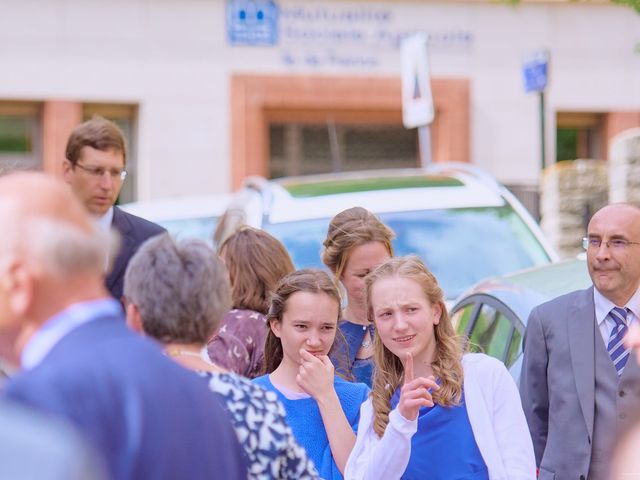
210	91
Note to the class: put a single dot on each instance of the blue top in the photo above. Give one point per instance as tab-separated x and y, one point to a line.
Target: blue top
344	355
444	447
305	420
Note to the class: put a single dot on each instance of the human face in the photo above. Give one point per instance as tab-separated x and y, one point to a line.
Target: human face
615	272
308	323
361	260
405	319
97	193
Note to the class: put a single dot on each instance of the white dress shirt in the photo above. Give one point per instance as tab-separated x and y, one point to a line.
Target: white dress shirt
603	307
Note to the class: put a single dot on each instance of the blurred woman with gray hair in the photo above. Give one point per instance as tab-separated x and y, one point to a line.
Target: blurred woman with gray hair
177	293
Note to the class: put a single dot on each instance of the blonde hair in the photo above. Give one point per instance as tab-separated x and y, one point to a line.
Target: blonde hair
349	229
447	365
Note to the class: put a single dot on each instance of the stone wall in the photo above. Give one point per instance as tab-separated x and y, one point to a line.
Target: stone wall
570	192
624	167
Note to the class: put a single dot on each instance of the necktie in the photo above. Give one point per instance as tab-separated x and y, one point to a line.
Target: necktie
617	351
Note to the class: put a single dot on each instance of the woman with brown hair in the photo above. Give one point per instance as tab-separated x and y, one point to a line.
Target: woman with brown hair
256	261
322	409
434	412
357	242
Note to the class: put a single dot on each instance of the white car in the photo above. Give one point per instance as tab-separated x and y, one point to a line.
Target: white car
184	217
463	224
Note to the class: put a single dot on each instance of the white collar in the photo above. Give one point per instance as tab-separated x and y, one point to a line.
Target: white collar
104	222
604	305
58	326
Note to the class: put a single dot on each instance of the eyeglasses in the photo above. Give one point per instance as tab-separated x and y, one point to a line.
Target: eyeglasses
615	243
98	172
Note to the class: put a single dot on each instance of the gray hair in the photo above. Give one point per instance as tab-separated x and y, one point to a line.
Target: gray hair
181	289
64	249
60	248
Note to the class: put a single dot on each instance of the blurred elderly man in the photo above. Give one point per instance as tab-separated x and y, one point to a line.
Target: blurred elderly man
147	417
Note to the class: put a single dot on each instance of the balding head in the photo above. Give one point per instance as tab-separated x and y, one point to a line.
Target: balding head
51	256
36	195
613	254
41	219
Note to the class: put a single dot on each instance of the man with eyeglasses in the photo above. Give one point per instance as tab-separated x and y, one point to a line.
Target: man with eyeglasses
95	169
578	390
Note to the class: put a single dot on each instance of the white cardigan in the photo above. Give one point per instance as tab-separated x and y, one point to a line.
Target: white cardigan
496	417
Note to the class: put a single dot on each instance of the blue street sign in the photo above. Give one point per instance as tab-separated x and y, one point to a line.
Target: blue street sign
252	22
535	72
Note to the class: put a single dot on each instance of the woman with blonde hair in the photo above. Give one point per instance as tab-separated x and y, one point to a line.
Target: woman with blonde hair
434	412
357	242
256	261
322	409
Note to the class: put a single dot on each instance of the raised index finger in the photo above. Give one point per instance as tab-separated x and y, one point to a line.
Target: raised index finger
408	367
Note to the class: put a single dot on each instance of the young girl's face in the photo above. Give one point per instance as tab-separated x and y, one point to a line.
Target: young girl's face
404	318
308	323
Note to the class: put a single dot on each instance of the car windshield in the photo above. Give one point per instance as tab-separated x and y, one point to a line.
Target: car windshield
201	228
460	246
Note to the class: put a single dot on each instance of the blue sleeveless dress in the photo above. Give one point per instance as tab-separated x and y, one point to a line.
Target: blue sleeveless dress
444	447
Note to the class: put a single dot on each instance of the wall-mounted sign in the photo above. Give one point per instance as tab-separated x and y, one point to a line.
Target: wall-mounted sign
252	22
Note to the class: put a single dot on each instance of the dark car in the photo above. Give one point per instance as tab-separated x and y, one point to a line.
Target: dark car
493	314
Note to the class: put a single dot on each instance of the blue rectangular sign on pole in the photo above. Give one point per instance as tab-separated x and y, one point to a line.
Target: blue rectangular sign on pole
535	72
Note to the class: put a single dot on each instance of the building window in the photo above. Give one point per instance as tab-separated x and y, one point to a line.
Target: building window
302	149
20	136
125	117
579	135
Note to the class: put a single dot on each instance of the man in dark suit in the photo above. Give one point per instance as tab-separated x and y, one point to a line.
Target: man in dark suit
95	168
146	416
579	392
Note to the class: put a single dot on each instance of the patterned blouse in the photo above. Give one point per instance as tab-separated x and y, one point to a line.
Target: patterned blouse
239	344
258	418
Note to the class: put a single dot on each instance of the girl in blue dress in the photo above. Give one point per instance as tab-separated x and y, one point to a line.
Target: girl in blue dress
322	409
357	242
434	413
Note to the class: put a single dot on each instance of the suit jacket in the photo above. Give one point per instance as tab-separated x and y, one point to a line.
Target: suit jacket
148	417
134	231
558	384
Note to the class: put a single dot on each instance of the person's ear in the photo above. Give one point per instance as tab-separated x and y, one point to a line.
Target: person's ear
275	325
134	319
19	284
67	170
437	314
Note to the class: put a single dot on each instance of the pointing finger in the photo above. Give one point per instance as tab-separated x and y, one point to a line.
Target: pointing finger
408	368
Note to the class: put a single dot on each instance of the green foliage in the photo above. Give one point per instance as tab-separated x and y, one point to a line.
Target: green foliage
635	4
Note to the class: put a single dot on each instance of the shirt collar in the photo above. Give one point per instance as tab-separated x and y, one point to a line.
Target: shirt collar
56	327
104	222
604	305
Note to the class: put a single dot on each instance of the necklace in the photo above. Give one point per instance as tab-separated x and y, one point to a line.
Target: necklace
175	352
368	339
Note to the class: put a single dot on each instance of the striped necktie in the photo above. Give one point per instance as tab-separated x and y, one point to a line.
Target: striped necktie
617	351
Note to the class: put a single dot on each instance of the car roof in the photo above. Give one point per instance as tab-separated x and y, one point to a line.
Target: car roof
322	196
192	206
523	290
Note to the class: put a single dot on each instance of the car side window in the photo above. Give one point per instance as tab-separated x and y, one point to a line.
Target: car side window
515	347
461	318
492	332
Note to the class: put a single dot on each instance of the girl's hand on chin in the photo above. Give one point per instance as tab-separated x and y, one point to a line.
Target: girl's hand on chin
416	392
315	375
